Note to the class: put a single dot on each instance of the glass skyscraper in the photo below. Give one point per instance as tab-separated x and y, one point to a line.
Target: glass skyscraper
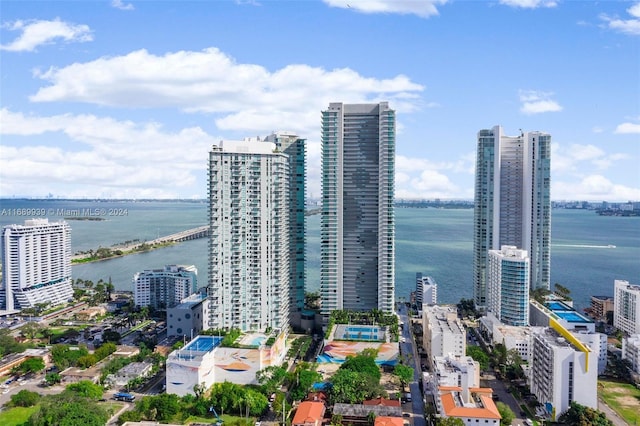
357	218
512	203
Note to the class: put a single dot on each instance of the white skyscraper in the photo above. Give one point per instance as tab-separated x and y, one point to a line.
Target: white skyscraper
626	307
296	149
357	221
36	264
249	241
512	203
508	285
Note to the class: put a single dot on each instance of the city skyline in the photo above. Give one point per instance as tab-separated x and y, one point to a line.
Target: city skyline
90	111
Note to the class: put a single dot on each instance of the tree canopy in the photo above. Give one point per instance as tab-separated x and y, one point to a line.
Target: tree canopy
32	365
579	415
404	373
506	413
86	388
68	409
478	354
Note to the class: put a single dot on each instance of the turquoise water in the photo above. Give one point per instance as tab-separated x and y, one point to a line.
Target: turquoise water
436	242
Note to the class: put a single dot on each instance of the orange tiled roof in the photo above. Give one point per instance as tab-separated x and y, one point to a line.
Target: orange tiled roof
487	411
383	401
388	421
309	412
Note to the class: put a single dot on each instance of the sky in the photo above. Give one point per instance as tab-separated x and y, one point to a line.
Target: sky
124	99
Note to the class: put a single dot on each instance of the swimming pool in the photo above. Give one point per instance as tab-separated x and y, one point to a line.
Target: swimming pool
572	316
557	306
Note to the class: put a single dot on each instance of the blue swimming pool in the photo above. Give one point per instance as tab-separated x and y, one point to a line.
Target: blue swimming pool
572	316
557	306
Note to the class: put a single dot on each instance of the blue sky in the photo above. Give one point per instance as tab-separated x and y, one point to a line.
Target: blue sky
123	99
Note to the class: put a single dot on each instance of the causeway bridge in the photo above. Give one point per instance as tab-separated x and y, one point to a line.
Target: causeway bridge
189	234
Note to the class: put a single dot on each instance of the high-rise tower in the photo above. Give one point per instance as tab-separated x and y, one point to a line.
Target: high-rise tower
357	221
249	239
296	150
508	285
512	203
36	264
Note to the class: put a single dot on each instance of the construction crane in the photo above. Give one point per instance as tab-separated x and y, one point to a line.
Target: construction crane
218	419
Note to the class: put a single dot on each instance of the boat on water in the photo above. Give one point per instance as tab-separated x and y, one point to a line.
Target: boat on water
611	246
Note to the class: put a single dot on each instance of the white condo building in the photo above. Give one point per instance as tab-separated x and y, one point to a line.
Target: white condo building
508	285
631	351
357	219
426	290
443	333
164	288
296	150
563	369
36	264
512	203
249	236
626	307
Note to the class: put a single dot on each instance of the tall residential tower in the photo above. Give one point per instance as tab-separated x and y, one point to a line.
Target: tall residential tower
357	220
249	239
512	203
296	150
36	264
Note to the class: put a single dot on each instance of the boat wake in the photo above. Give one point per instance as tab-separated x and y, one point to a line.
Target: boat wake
584	245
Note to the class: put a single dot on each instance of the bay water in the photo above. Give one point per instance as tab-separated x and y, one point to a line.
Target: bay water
588	251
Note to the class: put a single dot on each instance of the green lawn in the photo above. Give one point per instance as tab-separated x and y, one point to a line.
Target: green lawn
623	398
16	416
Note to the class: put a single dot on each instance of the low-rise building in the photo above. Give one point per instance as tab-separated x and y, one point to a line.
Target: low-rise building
601	307
190	317
513	337
203	360
309	413
443	332
562	370
129	372
631	351
454	385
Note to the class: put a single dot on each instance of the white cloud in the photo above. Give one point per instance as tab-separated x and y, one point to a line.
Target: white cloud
629	26
529	4
627	127
420	178
593	188
118	4
421	8
37	33
242	96
536	102
121	158
569	160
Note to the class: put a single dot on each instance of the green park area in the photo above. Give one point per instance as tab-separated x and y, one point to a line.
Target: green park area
16	416
623	398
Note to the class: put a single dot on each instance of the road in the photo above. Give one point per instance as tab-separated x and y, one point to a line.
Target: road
410	353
